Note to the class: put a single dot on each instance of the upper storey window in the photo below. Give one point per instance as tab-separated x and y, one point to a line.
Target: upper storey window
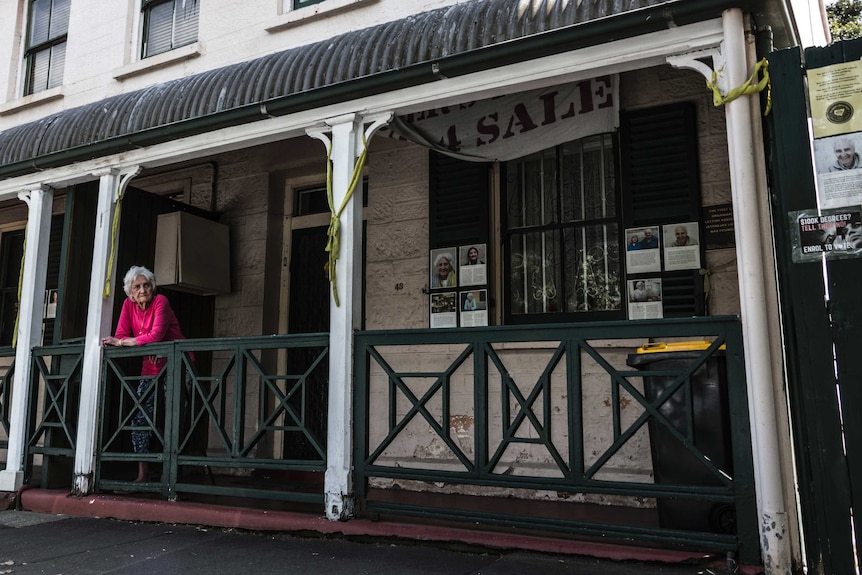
45	55
302	3
168	24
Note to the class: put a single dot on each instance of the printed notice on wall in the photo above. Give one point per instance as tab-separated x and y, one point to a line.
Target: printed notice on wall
681	246
644	299
835	95
718	229
444	309
472	267
474	308
642	250
834	234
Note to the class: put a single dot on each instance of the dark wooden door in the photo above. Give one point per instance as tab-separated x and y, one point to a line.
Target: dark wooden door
308	312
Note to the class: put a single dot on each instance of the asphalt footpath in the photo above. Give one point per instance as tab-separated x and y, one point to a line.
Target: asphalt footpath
102	535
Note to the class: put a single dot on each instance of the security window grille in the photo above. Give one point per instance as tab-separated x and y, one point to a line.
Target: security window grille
45	55
168	24
301	3
562	233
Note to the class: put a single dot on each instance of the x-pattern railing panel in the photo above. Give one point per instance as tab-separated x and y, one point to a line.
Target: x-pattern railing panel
212	398
7	372
398	386
555	409
56	376
540	423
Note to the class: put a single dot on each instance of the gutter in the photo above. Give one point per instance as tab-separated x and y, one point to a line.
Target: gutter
573	37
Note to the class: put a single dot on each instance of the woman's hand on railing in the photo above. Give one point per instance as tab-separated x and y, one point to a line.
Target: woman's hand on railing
119	342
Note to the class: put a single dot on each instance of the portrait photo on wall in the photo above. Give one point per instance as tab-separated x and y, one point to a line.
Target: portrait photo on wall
443	268
472	268
444	309
474	308
642	253
681	246
839	170
644	298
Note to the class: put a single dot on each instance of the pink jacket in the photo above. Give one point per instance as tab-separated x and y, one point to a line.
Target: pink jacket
154	324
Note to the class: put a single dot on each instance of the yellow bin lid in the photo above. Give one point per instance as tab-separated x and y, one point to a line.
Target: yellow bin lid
676	346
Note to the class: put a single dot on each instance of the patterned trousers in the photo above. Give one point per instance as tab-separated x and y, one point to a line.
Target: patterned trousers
141	437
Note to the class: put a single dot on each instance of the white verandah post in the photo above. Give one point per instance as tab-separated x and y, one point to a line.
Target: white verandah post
99	308
39	202
345	148
775	541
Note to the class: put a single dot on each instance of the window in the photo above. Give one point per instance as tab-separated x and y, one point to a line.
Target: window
561	233
45	54
302	3
168	24
313	200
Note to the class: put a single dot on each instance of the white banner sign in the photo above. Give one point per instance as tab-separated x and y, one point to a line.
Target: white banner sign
515	125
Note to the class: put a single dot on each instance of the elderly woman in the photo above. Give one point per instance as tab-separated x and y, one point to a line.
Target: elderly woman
146	317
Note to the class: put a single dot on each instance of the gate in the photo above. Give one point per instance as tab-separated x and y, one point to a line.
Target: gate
822	322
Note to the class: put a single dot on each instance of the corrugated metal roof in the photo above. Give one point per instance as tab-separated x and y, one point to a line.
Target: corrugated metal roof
211	97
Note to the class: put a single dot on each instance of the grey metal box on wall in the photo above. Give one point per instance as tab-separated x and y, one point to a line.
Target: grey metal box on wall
192	254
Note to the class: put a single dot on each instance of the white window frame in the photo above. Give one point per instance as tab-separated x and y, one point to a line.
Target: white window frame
289	17
141	32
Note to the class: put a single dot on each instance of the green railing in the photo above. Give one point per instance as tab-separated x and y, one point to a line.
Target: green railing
7	371
561	428
227	416
52	421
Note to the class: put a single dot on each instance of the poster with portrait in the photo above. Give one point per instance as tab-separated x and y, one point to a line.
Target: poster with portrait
642	250
474	308
644	298
839	170
681	246
444	309
444	268
472	270
835	234
835	96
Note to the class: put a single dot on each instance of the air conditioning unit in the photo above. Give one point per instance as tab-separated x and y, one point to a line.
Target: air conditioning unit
192	254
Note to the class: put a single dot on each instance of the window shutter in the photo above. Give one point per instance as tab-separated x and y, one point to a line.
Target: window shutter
661	185
459	201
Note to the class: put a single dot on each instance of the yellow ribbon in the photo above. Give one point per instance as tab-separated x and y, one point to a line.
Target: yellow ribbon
332	234
20	289
115	225
746	88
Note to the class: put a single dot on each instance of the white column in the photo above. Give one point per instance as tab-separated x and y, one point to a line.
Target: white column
774	535
344	318
39	202
99	310
346	146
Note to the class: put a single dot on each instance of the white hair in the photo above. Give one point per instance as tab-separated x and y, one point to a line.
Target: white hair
446	256
134	272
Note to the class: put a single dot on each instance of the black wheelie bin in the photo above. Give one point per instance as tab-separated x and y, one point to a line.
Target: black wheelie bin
701	400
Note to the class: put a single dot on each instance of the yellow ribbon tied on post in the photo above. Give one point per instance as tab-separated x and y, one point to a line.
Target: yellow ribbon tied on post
115	226
747	88
332	234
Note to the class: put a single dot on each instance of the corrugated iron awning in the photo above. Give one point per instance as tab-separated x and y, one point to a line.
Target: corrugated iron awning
355	64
